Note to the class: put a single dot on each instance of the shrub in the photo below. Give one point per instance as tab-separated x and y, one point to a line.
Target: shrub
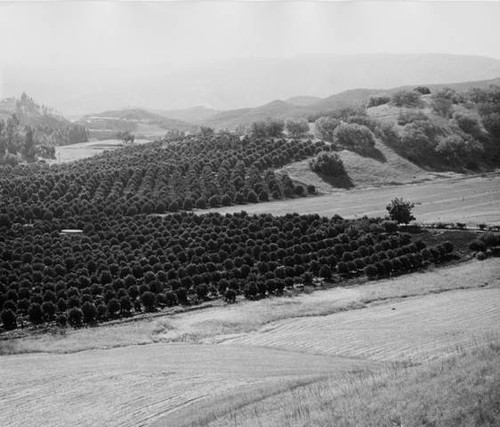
9	319
468	124
375	100
324	128
424	90
328	164
297	128
400	210
355	137
481	256
406	98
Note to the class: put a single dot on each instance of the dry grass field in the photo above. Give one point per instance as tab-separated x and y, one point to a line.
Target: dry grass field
83	150
220	363
467	199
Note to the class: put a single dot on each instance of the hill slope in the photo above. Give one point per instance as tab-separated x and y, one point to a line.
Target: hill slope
237	83
313	106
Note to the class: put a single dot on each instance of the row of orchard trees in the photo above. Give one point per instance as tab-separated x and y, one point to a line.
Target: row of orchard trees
124	265
199	172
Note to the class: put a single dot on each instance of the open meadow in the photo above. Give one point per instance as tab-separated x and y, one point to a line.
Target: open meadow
84	150
466	199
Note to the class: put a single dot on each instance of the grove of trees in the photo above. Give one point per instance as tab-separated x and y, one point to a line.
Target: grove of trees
125	265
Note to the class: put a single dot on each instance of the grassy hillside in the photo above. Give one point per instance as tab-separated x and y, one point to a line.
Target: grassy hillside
313	107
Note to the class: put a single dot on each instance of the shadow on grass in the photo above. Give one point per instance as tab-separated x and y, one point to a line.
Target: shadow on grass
342	181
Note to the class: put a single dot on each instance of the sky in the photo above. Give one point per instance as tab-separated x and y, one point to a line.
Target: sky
118	34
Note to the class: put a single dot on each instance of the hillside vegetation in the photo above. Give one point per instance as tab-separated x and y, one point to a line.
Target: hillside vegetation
29	131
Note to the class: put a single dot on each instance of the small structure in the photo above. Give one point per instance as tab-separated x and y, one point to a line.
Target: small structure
71	232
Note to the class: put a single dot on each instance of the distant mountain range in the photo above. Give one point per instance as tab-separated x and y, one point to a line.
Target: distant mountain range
307	106
153	123
235	83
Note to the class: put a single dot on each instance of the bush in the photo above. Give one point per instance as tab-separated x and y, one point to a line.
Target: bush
297	128
328	164
324	128
424	90
268	128
406	98
468	124
481	256
9	319
375	100
400	211
355	137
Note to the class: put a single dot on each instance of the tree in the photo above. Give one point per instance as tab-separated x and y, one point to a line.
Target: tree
375	100
126	137
89	311
29	148
328	164
355	137
324	128
406	98
297	128
400	210
35	313
148	300
230	296
75	316
8	319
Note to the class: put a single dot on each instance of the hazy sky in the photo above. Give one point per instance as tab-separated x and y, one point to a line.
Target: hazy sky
112	33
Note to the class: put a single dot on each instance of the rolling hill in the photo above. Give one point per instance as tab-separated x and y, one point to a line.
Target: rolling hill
350	98
141	122
237	83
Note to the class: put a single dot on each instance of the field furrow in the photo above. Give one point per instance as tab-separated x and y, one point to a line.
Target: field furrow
415	329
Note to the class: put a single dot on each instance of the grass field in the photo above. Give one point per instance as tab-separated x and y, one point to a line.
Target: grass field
467	199
83	150
218	364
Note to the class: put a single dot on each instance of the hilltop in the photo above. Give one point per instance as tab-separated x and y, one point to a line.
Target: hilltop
237	83
29	130
310	107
